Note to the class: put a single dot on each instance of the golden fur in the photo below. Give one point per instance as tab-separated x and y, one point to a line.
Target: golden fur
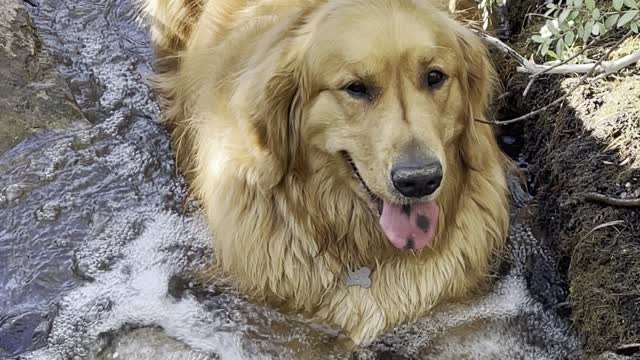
254	98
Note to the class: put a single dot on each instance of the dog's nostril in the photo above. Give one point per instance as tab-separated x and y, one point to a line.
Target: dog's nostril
417	179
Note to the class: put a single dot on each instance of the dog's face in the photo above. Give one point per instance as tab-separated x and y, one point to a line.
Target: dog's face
391	90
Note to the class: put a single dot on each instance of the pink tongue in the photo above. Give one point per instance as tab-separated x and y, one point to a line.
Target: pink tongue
410	226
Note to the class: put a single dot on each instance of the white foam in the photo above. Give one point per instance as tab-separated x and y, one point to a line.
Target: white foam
135	289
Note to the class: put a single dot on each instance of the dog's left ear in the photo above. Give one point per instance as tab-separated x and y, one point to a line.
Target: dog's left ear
479	83
273	93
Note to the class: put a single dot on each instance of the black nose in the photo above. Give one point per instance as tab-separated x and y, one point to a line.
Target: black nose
416	178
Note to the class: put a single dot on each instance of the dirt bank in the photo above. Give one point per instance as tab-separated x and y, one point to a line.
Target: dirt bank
589	144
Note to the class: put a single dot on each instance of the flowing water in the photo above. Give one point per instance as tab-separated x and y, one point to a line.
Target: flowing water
92	226
95	235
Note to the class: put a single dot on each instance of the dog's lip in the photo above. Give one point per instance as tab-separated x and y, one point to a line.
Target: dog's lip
376	201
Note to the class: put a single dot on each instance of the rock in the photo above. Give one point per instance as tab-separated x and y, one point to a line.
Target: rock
32	94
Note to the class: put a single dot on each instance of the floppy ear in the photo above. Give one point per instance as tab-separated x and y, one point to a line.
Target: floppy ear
478	82
273	93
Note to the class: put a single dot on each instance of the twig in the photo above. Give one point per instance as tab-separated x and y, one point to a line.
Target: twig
623	62
606	67
535	76
603	199
495	42
628	346
606	225
527	66
566	94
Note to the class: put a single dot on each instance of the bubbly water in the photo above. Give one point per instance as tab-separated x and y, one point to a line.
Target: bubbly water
96	239
95	234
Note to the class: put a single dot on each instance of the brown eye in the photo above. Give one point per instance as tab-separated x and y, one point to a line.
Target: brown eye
435	79
357	89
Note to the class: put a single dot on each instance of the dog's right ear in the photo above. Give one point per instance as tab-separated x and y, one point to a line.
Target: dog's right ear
479	84
272	93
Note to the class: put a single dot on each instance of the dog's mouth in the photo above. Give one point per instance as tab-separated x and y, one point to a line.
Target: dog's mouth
409	226
375	202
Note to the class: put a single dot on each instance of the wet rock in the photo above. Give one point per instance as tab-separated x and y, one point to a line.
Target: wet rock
25	331
48	212
13	192
60	188
32	94
151	344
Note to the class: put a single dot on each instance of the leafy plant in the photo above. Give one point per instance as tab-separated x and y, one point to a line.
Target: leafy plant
572	23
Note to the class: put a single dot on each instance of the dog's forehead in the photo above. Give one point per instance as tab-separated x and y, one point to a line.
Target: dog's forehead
376	36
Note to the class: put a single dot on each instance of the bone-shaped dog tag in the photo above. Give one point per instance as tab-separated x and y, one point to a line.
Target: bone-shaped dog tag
360	277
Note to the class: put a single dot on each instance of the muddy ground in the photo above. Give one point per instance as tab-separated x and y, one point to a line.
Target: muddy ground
591	143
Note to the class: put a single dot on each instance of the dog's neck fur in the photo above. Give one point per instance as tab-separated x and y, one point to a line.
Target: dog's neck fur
309	277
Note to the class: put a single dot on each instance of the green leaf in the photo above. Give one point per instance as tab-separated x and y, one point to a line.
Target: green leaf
634	27
611	21
569	37
553	27
577	3
628	16
595	14
551	6
552	54
539	39
559	48
590	4
617	4
545	49
595	30
580	31
603	29
631	3
564	15
587	31
574	14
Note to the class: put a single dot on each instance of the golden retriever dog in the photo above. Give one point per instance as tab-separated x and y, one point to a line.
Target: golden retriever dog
325	137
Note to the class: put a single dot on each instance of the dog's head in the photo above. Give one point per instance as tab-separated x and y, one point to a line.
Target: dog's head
390	90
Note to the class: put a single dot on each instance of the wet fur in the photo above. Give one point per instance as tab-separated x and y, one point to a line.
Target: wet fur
288	218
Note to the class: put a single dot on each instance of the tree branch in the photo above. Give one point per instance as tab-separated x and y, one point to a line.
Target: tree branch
535	76
606	67
603	199
528	64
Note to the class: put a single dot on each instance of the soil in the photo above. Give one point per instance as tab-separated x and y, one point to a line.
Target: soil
590	143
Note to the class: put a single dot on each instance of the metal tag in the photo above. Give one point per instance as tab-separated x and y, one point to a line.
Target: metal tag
360	277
